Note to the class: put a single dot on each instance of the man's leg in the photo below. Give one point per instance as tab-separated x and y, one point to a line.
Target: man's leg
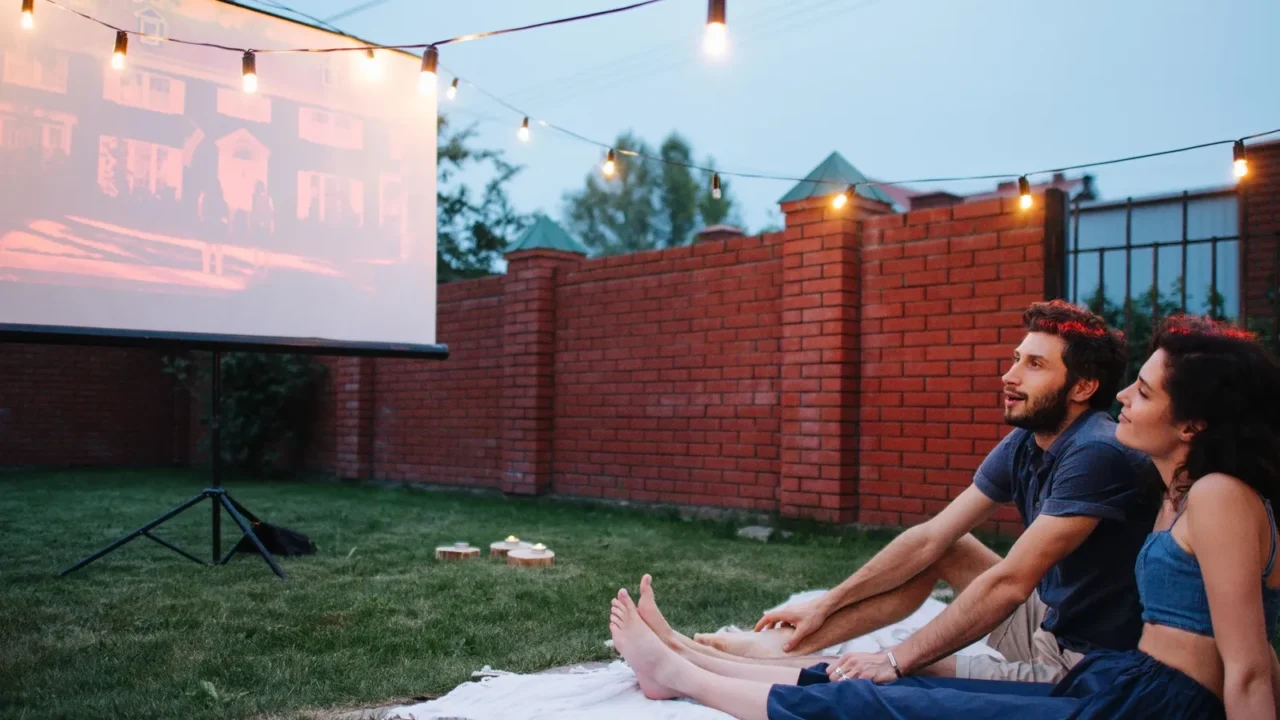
960	565
1031	654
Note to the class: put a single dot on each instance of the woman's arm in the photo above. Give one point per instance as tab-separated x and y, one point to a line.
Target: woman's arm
1275	680
1231	563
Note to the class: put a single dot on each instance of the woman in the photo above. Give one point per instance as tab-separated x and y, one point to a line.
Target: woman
1206	408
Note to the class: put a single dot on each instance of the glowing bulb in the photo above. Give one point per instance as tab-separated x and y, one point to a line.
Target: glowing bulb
1240	163
524	131
716	41
28	14
715	185
249	69
610	165
452	92
371	67
1024	192
121	50
427	78
840	200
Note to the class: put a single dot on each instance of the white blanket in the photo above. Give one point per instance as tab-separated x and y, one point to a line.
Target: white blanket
612	692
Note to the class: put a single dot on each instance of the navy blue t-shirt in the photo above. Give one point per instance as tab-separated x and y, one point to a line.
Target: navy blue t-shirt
1092	593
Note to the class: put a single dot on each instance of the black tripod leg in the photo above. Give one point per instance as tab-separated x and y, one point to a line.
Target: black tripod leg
244	525
136	533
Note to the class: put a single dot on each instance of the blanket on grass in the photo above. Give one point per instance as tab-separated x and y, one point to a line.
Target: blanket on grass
612	692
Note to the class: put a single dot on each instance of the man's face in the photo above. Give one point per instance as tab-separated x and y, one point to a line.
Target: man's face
1035	388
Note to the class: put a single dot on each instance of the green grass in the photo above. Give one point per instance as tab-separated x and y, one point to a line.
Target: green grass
371	618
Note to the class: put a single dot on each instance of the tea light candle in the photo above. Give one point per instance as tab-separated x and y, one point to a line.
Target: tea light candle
512	539
460	545
539	547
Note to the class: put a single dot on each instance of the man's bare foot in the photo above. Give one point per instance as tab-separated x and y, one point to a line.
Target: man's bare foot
652	616
656	666
758	645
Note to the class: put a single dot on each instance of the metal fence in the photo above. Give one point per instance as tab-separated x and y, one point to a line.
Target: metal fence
1137	260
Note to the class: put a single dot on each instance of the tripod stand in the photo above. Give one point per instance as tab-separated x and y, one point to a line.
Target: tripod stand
216	495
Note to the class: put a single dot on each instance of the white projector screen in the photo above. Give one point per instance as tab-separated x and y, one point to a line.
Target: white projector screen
163	199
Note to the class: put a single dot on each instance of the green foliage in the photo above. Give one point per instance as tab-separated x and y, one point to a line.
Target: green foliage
471	231
267	403
648	204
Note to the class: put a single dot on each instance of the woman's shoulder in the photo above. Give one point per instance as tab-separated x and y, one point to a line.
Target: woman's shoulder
1222	497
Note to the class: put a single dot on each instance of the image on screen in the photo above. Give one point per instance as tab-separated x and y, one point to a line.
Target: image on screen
156	194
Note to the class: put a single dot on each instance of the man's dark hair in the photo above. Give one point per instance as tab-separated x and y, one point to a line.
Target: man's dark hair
1094	351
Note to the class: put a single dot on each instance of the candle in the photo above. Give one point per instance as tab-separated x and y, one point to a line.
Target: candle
539	547
512	539
460	545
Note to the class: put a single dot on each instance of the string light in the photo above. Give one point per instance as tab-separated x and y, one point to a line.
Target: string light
610	164
28	14
1240	163
1024	191
427	78
249	69
371	66
716	40
121	50
524	131
839	201
452	92
715	185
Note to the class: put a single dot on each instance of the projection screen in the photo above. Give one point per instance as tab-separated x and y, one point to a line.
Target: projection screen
161	200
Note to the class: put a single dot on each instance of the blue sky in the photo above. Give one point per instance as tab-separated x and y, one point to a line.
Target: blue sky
903	88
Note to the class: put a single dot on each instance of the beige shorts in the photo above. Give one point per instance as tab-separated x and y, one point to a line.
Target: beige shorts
1031	653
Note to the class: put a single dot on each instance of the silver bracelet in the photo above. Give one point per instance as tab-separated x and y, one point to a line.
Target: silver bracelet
894	662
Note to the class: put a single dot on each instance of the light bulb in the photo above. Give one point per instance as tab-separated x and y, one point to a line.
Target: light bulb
249	70
121	50
371	67
715	185
1024	192
28	14
716	41
452	92
1240	163
524	131
840	200
610	165
427	78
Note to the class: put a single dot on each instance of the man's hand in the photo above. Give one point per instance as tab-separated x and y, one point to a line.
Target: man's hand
805	617
867	666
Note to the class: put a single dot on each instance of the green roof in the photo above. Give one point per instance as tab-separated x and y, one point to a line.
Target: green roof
831	177
544	234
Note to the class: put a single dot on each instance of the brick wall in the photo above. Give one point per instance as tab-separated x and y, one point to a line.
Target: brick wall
1260	213
76	406
943	295
666	374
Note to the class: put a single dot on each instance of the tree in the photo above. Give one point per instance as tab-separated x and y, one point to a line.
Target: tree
471	232
649	203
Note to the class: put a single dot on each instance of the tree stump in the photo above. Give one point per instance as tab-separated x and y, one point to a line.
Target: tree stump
457	551
502	547
531	557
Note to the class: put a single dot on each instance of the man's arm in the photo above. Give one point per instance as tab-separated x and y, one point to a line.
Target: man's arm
912	551
995	594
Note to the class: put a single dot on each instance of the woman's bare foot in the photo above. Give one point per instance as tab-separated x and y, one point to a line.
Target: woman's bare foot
656	666
761	645
652	616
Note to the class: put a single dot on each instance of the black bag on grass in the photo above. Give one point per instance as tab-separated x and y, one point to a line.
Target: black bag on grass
277	540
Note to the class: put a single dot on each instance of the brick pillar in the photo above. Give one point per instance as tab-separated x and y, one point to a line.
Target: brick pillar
821	273
528	368
353	417
1260	228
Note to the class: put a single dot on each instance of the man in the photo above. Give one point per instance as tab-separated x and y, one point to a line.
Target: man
1067	585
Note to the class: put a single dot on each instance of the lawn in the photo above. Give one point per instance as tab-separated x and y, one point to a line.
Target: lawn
371	618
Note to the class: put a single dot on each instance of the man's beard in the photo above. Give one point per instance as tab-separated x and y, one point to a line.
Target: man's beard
1046	415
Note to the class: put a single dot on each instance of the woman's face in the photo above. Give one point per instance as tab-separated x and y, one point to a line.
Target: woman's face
1146	420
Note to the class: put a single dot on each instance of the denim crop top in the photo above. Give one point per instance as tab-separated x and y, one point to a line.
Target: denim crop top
1171	587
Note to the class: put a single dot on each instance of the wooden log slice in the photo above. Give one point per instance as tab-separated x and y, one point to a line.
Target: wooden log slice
457	551
502	547
526	557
